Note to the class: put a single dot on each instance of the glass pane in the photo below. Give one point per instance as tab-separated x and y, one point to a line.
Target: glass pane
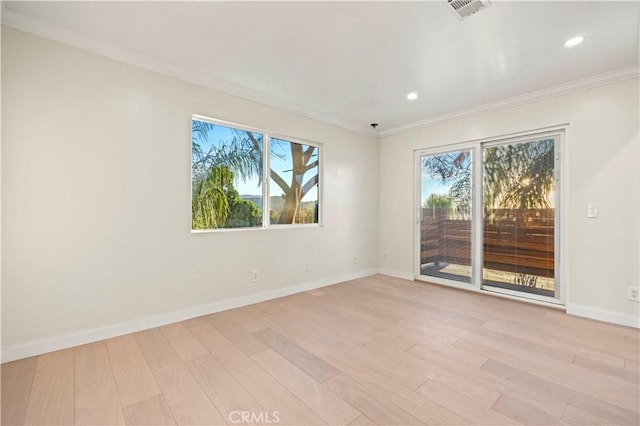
226	177
445	230
519	213
293	185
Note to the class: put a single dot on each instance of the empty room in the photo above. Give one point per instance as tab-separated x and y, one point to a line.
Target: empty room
300	213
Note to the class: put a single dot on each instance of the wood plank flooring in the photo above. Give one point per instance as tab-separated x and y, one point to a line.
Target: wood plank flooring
377	350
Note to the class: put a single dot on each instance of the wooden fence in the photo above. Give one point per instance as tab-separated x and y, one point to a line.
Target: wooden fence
520	241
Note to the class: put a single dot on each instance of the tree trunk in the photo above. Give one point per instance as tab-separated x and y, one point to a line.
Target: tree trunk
290	210
293	195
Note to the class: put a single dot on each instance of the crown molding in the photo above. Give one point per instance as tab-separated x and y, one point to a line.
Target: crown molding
42	29
34	26
537	95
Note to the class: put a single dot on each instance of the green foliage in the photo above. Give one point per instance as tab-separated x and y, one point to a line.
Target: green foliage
215	201
209	202
217	204
437	201
242	213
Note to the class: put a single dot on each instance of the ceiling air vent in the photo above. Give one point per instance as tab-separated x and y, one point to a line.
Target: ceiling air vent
466	8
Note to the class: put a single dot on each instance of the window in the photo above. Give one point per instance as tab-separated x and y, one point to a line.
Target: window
228	167
293	182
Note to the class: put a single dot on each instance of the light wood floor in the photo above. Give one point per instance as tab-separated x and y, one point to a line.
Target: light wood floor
371	351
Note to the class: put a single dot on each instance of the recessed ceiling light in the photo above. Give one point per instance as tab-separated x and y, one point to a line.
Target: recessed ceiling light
412	96
574	41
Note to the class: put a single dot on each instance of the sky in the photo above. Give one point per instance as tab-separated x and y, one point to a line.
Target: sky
433	185
429	185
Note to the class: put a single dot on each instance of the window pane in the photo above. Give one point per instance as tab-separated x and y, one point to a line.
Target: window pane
226	177
445	229
293	185
519	229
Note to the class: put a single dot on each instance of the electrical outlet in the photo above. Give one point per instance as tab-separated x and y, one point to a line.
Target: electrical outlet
308	266
385	256
633	293
255	276
356	259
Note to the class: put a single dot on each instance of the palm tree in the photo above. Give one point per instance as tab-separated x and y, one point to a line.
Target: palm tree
213	171
209	203
242	154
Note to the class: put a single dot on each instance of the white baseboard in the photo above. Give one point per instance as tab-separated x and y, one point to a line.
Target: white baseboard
602	315
89	336
581	311
397	274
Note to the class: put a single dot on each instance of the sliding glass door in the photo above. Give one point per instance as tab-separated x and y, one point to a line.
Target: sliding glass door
445	213
490	220
519	215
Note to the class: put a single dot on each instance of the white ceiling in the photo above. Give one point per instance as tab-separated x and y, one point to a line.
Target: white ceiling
353	63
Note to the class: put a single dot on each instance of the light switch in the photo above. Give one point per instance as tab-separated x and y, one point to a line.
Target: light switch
592	211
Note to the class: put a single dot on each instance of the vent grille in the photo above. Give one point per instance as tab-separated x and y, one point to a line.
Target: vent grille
465	8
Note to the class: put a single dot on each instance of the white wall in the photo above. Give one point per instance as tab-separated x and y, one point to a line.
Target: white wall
96	198
603	154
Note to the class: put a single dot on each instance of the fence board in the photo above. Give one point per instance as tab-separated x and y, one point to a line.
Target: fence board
520	241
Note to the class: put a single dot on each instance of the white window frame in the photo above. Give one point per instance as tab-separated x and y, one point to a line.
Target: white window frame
473	148
266	176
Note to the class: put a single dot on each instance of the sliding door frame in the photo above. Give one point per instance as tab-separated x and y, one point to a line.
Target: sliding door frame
473	147
558	133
